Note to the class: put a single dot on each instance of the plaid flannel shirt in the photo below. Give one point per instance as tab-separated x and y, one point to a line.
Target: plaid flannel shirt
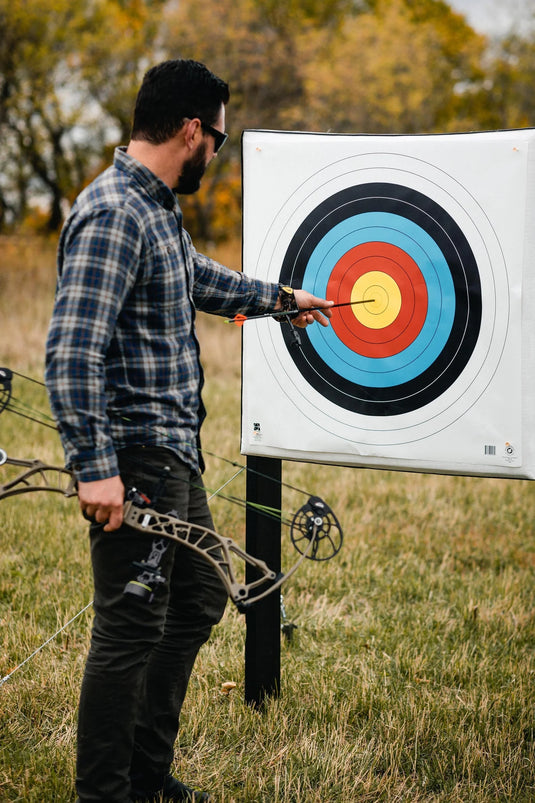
122	356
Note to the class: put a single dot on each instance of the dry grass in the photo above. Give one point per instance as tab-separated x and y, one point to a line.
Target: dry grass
411	674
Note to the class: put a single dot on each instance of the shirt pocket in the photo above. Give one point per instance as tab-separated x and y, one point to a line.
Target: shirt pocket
160	305
167	281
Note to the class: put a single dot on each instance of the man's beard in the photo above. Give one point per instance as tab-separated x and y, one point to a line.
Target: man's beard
192	172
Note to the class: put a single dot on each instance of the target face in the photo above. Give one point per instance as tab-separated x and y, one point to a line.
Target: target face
406	258
411	240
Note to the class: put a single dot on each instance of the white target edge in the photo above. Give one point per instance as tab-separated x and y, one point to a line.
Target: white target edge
484	423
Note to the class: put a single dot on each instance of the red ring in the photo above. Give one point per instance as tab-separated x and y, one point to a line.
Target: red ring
397	336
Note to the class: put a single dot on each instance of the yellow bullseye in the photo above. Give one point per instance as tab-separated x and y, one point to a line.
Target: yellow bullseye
386	295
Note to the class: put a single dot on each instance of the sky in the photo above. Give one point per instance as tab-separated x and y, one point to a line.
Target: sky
495	17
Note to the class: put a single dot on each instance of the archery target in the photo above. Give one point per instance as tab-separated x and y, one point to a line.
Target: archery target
415	335
419	259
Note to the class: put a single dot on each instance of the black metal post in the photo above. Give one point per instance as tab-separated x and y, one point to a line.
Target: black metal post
263	540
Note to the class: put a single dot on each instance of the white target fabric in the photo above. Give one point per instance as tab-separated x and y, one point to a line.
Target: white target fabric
433	369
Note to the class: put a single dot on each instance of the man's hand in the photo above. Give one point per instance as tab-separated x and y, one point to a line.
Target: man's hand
304	300
102	501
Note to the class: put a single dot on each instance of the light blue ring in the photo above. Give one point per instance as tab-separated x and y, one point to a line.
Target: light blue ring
432	338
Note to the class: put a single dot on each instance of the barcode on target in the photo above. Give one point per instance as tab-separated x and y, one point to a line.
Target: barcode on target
490	450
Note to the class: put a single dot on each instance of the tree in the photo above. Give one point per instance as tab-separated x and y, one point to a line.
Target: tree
68	70
508	99
399	69
252	45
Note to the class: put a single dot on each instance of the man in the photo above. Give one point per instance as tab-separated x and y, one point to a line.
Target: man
125	380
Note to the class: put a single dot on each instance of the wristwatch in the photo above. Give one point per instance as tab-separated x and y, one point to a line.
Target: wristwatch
287	298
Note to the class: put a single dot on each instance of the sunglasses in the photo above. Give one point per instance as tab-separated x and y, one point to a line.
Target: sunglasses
219	137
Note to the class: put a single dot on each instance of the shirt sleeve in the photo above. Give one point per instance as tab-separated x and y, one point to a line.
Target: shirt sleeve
222	291
97	265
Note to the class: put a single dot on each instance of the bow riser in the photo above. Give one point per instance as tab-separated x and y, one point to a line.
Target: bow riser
216	549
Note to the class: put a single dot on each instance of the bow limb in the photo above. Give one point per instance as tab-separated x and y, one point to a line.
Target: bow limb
278	580
37	476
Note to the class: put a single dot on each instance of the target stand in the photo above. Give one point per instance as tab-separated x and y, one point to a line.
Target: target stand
434	237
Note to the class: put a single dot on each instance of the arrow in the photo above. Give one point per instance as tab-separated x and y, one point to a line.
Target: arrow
239	319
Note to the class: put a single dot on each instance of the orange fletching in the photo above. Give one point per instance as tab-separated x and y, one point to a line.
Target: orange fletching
239	320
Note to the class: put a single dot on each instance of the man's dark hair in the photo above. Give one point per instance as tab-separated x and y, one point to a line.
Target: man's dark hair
173	91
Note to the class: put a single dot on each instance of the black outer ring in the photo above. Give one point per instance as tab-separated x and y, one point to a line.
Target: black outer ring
445	370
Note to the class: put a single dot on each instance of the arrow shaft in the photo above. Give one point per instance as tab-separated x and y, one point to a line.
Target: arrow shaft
342	304
295	313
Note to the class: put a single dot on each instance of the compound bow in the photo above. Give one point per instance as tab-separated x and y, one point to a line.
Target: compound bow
315	531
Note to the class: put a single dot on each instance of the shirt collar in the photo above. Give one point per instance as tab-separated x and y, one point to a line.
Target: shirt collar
153	185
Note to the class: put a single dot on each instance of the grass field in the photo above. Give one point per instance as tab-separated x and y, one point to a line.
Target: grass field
411	676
